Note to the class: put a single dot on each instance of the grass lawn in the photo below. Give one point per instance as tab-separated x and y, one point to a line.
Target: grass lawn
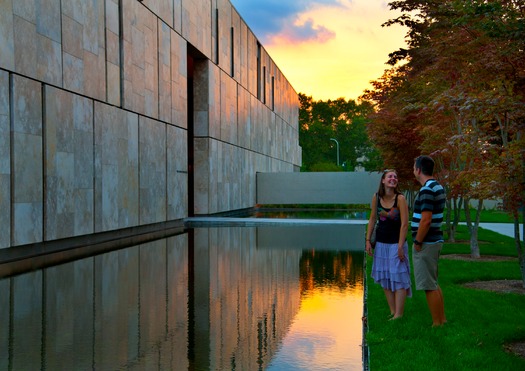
479	324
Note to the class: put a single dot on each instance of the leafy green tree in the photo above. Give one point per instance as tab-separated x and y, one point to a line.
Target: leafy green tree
342	120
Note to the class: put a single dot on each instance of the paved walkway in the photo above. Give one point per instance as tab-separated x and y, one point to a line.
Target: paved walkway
506	229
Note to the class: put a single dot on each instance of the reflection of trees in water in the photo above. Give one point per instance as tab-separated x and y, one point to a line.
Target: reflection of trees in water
341	269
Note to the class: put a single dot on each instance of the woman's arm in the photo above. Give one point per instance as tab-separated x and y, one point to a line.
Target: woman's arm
371	224
403	211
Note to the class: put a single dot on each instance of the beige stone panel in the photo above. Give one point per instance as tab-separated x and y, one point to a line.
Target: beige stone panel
152	167
179	81
215	177
95	75
257	120
242	62
84	50
27	189
25	47
25	9
116	168
48	19
49	61
224	8
113	84
94	26
69	164
197	25
140	68
72	32
73	71
112	48
27	161
5	162
138	88
272	135
112	54
74	9
177	173
165	80
7	38
162	9
112	16
243	118
223	198
228	104
177	16
214	99
138	48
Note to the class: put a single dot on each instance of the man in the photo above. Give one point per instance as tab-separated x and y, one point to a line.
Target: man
428	237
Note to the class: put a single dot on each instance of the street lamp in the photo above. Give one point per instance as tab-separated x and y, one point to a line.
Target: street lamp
337	143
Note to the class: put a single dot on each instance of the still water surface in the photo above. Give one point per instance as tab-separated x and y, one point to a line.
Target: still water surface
223	298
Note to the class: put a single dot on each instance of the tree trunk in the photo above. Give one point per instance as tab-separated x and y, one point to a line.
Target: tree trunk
474	244
519	246
452	233
473	228
454	206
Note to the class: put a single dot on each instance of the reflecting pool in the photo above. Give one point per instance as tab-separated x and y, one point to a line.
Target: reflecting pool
216	298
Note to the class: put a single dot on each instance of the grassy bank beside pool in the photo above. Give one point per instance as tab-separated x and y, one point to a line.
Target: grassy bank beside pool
480	323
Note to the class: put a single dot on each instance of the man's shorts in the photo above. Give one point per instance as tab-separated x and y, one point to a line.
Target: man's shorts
426	266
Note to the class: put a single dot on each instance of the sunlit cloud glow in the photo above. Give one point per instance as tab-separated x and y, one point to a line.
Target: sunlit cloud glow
326	48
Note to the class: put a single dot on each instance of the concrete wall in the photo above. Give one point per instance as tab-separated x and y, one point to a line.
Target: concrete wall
94	124
317	188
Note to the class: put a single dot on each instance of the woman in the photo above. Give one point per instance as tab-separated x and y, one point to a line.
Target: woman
391	268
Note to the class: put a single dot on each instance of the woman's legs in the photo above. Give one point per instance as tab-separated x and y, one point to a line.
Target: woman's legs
400	296
390	298
396	302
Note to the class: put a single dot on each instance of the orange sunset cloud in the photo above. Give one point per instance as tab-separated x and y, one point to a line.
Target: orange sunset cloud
326	48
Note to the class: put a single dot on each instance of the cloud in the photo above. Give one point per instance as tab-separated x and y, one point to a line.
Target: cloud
270	19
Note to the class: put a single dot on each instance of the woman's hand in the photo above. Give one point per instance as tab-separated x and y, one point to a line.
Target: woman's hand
368	248
401	253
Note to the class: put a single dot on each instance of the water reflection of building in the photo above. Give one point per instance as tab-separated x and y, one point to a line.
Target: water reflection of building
111	311
254	295
207	300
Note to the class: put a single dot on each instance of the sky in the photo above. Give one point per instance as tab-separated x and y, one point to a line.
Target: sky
327	49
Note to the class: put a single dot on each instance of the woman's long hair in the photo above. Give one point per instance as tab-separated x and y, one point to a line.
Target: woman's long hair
381	189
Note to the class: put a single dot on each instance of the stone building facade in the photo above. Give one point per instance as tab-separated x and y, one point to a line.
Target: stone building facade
120	114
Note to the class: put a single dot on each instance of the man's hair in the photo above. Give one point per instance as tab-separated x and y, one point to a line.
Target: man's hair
426	164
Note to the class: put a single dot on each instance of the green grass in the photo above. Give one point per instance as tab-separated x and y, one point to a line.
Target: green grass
479	322
491	216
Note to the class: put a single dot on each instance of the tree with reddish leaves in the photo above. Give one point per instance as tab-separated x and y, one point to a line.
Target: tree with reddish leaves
459	95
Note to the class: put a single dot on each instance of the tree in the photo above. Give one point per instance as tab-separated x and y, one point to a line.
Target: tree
458	92
339	119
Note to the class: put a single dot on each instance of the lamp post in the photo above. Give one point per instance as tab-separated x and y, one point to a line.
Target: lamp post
337	143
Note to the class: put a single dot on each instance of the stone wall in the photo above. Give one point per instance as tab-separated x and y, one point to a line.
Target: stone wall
94	123
356	187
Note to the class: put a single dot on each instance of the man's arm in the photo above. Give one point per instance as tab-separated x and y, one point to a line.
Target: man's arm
424	226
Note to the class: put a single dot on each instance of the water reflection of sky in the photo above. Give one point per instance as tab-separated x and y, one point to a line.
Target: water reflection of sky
326	332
